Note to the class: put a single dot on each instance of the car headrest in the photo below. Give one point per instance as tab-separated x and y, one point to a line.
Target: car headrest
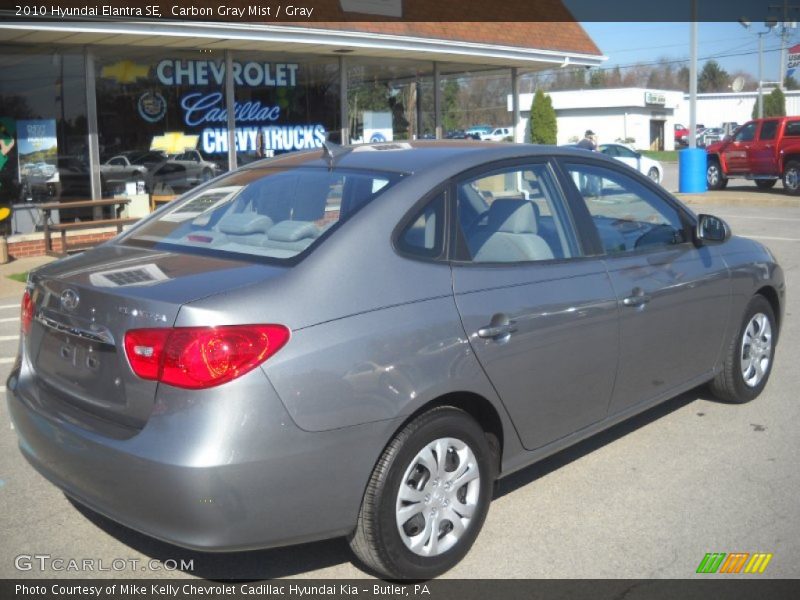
512	216
292	231
244	223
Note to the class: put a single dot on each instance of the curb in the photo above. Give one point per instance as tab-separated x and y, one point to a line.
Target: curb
753	199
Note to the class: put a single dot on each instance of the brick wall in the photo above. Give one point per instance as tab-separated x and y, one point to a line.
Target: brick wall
35	247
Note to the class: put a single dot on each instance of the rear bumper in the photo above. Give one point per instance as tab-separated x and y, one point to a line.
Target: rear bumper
218	473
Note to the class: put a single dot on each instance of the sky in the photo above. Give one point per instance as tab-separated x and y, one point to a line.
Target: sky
730	44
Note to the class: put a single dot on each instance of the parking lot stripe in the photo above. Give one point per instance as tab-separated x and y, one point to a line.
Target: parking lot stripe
8	338
6	306
9	319
732	216
7	360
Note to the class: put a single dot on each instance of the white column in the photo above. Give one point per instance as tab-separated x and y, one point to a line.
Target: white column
437	101
519	136
344	107
229	108
91	125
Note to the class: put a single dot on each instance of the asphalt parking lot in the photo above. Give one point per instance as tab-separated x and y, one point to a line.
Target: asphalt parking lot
646	499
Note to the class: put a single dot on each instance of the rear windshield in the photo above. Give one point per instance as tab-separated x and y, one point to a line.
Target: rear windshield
269	213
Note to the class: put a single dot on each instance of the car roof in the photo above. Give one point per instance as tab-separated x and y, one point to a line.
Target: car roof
418	156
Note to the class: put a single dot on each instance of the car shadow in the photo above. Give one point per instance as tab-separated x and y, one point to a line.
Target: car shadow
564	457
253	565
275	563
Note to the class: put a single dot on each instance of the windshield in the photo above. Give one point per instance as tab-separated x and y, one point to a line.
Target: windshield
269	213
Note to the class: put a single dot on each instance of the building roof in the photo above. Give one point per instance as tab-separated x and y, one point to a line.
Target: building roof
566	36
526	45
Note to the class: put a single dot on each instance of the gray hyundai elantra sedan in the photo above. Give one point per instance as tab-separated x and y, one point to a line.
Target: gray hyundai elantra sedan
359	341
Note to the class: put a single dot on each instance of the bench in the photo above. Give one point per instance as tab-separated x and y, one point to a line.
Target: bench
63	228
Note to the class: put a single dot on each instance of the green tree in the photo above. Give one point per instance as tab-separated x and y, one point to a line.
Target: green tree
543	127
713	78
597	79
774	104
450	112
790	83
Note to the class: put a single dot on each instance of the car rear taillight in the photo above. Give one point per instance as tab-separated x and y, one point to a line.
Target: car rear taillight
26	314
201	357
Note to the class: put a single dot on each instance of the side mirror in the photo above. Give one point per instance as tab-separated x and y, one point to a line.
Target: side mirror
711	230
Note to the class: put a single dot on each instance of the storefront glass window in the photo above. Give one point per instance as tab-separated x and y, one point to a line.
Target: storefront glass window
153	106
383	98
43	126
284	103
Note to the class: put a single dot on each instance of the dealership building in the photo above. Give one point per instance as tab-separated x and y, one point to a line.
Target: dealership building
76	94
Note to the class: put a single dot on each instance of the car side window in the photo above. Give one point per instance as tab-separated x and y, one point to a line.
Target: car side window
424	235
628	216
792	129
514	215
768	130
746	133
117	162
624	152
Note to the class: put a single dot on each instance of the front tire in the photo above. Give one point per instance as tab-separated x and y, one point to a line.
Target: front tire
427	497
749	356
791	177
715	179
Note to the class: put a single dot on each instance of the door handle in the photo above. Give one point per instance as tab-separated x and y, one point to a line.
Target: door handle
637	298
500	328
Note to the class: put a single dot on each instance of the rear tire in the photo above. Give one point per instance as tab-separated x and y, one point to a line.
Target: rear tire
653	175
715	179
766	184
749	356
791	178
427	497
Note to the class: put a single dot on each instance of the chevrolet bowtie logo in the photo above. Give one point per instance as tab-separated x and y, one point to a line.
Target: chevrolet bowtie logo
173	142
125	71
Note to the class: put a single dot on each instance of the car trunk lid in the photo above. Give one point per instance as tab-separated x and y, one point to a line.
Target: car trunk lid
86	304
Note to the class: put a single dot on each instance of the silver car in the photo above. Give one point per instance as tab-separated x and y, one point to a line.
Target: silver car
359	341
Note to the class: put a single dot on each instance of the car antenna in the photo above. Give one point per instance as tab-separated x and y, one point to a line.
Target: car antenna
331	151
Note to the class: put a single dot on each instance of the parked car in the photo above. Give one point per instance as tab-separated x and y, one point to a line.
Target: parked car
498	134
118	170
681	134
763	150
265	362
182	172
629	156
456	134
478	131
710	135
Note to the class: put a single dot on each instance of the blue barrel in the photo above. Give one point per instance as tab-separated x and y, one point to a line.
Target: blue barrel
692	171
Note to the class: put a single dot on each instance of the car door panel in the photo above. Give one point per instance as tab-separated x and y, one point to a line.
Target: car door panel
674	336
673	296
544	327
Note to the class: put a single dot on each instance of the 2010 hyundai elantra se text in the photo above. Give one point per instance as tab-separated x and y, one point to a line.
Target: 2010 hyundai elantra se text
359	341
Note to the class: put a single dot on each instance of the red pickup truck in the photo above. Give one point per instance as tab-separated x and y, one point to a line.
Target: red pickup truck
763	150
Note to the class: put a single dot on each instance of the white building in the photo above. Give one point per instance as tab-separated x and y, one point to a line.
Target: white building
715	109
645	116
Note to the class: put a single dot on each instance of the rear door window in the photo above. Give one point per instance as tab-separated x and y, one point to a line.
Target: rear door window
270	213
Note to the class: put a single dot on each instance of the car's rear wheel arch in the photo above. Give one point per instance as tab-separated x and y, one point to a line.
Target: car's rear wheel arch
477	407
769	293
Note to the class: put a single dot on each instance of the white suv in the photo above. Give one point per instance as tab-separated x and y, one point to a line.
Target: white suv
498	134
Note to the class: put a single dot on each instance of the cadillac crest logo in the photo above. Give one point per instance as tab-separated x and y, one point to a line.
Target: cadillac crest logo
152	106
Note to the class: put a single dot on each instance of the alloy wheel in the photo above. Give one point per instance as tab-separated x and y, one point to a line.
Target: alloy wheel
756	349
